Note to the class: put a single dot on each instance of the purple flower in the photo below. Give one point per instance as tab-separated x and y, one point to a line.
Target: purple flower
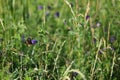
57	14
87	17
31	41
28	41
40	7
34	41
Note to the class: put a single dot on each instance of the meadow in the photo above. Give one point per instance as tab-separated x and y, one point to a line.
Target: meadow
59	40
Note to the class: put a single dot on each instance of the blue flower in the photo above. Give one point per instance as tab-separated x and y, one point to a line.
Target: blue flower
87	17
31	41
34	41
40	7
57	14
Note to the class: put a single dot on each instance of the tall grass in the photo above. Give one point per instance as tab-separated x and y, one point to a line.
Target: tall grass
76	40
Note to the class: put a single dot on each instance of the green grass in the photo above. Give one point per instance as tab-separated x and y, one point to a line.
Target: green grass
69	47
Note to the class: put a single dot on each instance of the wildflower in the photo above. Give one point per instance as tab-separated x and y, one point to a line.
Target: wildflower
87	17
30	41
40	7
57	14
34	41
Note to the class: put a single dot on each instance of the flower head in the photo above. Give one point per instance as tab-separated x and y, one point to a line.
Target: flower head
34	41
57	14
40	7
31	41
87	17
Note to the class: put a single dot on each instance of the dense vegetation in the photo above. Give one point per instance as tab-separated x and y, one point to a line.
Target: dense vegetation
59	39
